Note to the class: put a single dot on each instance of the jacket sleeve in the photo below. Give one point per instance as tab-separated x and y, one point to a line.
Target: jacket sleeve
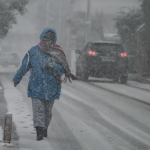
24	68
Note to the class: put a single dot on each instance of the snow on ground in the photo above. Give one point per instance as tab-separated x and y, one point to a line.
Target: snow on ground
125	90
22	118
139	85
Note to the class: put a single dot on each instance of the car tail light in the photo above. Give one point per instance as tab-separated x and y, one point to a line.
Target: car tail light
123	54
92	53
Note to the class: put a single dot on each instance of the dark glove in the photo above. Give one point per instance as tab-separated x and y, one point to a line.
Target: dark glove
15	84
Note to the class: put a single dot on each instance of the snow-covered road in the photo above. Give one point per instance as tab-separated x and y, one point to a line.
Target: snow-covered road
107	116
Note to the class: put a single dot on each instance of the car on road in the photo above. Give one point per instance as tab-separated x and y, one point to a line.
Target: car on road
9	58
103	59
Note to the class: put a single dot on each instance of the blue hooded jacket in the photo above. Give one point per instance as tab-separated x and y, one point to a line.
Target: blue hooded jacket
42	84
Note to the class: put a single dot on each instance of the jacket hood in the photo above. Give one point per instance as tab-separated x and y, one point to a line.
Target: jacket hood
45	31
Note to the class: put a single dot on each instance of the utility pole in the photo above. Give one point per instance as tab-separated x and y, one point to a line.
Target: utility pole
69	50
88	22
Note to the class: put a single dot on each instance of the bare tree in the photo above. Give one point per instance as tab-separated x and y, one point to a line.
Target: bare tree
8	12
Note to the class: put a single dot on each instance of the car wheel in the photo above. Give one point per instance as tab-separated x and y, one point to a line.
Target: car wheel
78	74
123	79
116	79
85	76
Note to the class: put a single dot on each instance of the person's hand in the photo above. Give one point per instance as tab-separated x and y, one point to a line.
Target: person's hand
15	84
50	65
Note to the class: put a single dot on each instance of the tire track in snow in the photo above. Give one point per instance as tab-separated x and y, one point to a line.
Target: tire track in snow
121	94
116	129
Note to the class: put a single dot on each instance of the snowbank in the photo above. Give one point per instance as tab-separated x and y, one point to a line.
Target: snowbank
22	118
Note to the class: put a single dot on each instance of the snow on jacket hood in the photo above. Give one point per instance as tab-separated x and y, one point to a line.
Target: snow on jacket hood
45	31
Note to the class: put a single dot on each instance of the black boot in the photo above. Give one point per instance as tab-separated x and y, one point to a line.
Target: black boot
39	131
45	132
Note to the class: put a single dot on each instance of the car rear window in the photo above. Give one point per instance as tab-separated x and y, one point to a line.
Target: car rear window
107	48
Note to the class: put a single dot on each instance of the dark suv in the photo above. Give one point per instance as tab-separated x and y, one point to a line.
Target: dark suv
103	59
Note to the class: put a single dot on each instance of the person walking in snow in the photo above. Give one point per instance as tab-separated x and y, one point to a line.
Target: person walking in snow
46	63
